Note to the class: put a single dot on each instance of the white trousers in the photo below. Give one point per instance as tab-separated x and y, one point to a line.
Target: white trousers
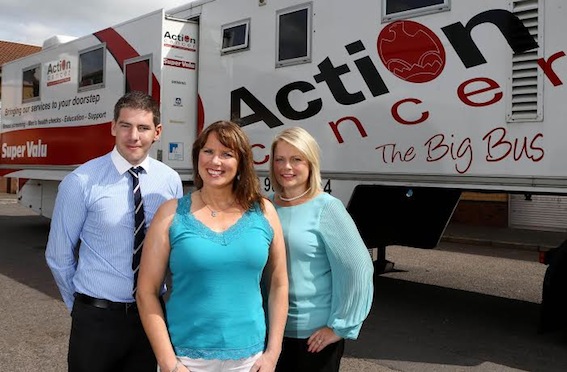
216	365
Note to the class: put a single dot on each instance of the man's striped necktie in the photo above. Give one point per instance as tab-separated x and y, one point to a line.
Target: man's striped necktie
139	224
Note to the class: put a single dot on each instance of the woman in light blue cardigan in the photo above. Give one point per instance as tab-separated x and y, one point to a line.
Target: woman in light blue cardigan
329	268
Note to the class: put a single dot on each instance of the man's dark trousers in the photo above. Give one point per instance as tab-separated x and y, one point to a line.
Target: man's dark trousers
108	340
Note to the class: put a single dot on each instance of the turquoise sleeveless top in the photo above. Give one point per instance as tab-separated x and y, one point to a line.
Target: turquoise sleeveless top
215	307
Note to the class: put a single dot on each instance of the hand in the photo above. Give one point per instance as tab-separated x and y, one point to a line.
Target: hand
179	367
266	363
320	339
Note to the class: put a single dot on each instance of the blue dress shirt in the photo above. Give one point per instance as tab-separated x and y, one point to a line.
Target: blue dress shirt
91	239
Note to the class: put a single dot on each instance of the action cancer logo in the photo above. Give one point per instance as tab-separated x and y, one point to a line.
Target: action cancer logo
411	51
58	72
182	41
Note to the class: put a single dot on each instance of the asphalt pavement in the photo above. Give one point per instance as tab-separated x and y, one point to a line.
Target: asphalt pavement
501	237
35	324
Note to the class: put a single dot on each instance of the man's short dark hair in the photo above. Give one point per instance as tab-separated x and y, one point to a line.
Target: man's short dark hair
138	100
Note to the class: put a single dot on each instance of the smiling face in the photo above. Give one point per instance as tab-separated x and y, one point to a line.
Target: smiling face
218	164
291	169
135	133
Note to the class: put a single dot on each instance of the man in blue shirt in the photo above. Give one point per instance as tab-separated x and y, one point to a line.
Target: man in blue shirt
91	242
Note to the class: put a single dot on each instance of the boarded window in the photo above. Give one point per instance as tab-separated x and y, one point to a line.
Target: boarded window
31	82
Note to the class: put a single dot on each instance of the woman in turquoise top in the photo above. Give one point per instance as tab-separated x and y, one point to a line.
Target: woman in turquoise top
329	268
218	241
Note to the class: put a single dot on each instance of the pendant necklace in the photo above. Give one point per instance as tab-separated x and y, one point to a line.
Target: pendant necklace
213	212
295	197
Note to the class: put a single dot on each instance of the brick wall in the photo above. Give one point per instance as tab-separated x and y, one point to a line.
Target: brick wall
481	213
9	185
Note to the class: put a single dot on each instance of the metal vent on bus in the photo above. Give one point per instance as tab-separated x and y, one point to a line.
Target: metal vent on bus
526	93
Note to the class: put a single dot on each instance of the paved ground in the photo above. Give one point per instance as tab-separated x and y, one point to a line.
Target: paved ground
34	323
418	323
503	237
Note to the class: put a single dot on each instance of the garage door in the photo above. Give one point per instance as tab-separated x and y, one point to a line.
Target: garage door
542	212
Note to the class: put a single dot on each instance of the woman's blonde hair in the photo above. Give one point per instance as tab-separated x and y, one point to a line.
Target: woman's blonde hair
309	149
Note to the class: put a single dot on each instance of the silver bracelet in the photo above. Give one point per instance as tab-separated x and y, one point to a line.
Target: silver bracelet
176	368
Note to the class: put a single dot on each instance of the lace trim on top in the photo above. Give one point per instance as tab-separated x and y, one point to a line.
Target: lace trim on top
248	218
184	215
224	354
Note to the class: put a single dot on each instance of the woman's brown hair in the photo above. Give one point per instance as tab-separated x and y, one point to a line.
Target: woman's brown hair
245	185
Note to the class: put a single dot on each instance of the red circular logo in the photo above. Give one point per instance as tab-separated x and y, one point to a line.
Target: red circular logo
411	51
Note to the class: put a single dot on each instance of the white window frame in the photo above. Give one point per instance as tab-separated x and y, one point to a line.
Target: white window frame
435	8
80	72
32	99
307	57
127	62
235	48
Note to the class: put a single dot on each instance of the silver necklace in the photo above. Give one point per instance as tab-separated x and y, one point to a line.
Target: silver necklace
213	212
295	197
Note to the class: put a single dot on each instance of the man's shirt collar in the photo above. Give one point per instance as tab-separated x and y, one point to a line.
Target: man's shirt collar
122	165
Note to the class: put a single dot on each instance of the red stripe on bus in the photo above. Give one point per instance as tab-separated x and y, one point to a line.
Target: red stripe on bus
121	50
58	146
